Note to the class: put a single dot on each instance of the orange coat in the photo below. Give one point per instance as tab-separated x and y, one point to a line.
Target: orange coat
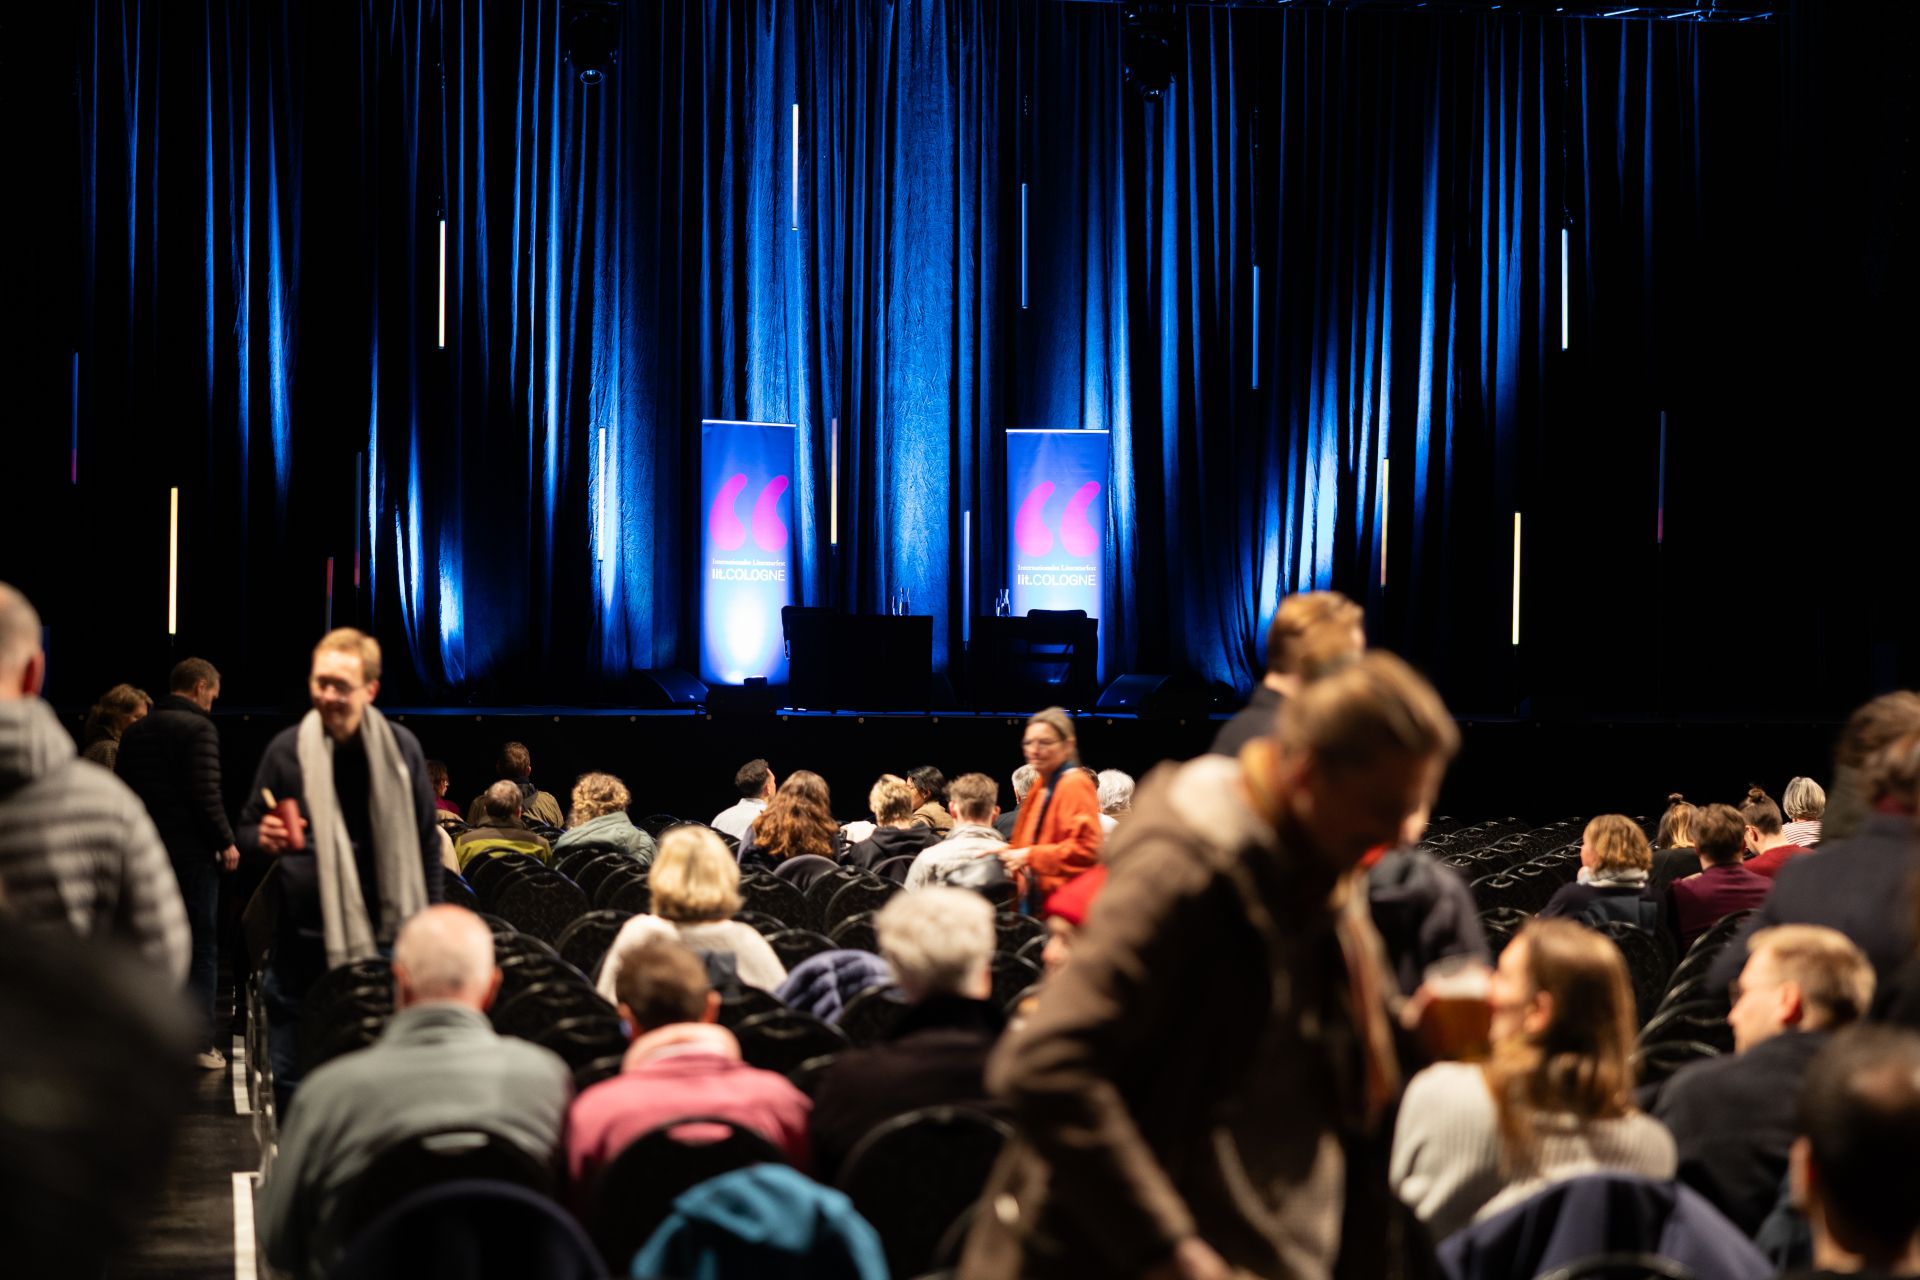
1068	842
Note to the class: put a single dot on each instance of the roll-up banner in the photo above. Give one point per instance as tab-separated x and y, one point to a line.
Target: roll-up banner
746	549
1057	494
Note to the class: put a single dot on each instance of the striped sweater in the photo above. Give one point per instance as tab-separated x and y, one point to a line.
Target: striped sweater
77	848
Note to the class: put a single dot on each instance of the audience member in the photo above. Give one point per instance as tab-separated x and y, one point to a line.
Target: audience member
1853	1167
1768	847
108	719
442	780
939	943
695	885
171	759
1115	789
754	781
1860	885
77	849
1066	913
94	1076
1674	856
502	828
1725	885
1732	1118
1310	629
825	983
1804	800
438	1065
361	853
1869	732
681	1063
1059	834
897	831
1614	863
798	822
598	820
1225	1004
972	799
1552	1102
1023	779
515	765
1424	912
930	798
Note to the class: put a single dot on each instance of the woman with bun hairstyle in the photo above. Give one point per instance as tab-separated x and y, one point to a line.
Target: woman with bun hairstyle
1767	842
1058	835
1675	856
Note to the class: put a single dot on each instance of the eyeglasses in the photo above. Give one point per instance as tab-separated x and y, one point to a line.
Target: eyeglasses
1041	742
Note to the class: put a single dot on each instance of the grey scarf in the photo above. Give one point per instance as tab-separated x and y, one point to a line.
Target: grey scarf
396	839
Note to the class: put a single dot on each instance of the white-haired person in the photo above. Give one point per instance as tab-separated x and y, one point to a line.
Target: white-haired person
939	943
438	1065
1805	802
1116	797
695	885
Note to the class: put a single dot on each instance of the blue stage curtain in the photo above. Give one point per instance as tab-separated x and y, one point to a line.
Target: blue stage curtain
1331	241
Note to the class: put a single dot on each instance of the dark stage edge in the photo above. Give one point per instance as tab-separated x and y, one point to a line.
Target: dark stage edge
682	762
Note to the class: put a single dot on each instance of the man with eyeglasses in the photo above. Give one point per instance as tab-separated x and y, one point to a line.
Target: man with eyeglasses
357	849
1732	1118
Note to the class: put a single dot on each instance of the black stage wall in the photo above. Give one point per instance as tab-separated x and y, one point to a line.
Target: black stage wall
225	279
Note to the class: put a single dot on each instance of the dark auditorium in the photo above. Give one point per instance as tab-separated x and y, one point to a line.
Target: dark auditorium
959	640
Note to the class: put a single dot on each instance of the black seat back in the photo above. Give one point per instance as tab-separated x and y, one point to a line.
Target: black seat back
425	1160
913	1176
637	1191
781	1039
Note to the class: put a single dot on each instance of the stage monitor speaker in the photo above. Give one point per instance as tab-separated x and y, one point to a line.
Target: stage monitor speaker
1153	697
670	687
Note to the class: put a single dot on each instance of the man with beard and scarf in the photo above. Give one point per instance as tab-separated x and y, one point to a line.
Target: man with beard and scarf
1206	1090
361	855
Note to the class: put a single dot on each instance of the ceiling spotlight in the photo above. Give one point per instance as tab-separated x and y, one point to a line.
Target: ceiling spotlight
1147	34
591	38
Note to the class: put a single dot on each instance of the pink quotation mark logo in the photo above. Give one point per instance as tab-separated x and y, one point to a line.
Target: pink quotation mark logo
1077	536
724	525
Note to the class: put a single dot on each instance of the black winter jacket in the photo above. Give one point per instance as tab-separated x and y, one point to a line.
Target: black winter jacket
171	759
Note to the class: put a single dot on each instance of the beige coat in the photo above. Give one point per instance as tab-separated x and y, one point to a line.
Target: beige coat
1196	1067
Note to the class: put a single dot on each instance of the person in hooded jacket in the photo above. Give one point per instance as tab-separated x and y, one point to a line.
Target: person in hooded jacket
1424	912
897	831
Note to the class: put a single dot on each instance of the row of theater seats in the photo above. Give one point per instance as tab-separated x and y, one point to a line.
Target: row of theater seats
914	1179
1513	868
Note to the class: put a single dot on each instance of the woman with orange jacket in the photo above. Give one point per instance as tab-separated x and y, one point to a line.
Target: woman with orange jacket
1058	834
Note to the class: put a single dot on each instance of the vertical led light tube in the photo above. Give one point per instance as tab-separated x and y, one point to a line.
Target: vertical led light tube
1256	326
173	561
600	514
966	574
329	625
1516	578
1565	302
73	461
1660	493
833	483
1385	492
794	220
1023	246
443	284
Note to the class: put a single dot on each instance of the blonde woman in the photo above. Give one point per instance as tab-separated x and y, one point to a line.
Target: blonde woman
695	885
1553	1101
1615	861
598	820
